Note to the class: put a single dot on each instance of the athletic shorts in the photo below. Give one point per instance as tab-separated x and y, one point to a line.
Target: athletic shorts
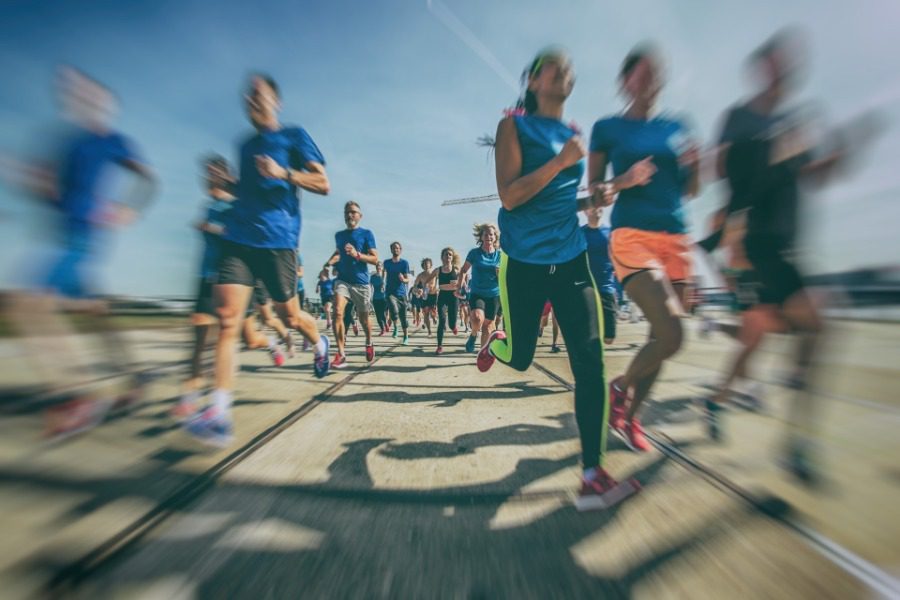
327	299
431	301
358	294
636	250
489	304
778	278
276	269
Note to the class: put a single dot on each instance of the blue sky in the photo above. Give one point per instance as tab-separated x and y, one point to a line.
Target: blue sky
396	92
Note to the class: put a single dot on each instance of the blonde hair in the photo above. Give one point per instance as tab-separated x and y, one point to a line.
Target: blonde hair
479	228
456	262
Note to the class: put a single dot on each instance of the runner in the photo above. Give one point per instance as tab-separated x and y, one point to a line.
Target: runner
540	161
597	238
379	302
72	182
427	282
355	251
447	278
219	183
261	237
655	164
397	277
325	288
484	297
462	294
417	301
764	151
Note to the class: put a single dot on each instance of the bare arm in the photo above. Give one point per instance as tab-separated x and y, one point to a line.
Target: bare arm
313	179
463	276
333	259
516	189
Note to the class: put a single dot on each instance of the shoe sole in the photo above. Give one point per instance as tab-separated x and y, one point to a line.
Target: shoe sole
614	496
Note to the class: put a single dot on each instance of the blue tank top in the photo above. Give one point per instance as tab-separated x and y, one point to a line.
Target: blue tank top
545	229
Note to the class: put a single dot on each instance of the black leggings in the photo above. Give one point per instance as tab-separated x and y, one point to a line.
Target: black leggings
380	305
447	307
524	288
397	306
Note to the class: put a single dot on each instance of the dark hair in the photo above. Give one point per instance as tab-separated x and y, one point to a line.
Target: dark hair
398	243
528	101
269	82
426	260
634	58
214	159
780	40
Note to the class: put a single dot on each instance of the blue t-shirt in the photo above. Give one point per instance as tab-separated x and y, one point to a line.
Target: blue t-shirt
85	159
598	258
326	288
350	270
216	214
656	206
266	213
484	280
544	230
377	286
392	272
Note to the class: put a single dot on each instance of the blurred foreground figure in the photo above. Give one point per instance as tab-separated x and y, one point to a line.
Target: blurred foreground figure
77	182
766	151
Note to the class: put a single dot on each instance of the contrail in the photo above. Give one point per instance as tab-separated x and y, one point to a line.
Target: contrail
439	10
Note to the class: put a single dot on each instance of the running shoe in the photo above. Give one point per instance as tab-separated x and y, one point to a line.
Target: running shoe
370	353
212	427
74	416
440	350
554	349
486	358
355	329
339	361
277	356
186	407
602	491
320	363
713	420
395	332
456	331
470	344
633	436
405	340
618	398
382	331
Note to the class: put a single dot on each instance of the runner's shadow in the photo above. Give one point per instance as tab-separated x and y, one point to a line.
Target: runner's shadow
443	398
670	411
510	435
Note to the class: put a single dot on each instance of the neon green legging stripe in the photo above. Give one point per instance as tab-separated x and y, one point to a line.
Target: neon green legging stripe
502	349
598	303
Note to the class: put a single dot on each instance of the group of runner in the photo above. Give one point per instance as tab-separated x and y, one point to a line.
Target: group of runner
537	259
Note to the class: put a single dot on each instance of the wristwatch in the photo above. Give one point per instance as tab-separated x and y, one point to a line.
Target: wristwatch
288	173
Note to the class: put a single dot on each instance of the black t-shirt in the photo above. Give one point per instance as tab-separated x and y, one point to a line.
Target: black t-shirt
767	189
